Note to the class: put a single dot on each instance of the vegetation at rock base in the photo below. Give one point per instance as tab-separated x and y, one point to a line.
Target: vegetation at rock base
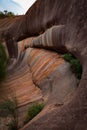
75	64
3	62
33	111
8	108
6	14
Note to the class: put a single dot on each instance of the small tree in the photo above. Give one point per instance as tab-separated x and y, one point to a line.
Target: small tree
10	14
5	12
8	108
3	62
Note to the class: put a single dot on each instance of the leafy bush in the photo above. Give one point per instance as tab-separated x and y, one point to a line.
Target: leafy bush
12	125
9	108
75	65
3	62
33	111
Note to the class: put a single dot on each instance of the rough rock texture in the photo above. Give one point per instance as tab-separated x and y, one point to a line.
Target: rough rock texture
72	110
5	24
70	37
38	75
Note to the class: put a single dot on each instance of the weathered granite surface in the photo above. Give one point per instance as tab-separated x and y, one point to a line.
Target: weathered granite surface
70	35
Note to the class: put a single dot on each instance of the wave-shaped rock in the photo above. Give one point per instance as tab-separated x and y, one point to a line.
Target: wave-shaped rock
68	34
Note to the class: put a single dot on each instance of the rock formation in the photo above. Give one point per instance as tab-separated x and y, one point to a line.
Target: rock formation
67	23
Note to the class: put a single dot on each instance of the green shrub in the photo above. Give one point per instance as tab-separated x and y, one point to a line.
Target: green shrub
3	62
33	111
12	125
75	65
8	108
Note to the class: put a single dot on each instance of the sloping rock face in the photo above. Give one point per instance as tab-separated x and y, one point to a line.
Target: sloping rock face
69	35
5	24
38	75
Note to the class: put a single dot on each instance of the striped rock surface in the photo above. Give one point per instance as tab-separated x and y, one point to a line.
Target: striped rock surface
54	39
19	84
71	38
38	75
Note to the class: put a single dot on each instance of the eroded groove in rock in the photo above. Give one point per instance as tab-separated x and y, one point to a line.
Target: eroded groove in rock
47	67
